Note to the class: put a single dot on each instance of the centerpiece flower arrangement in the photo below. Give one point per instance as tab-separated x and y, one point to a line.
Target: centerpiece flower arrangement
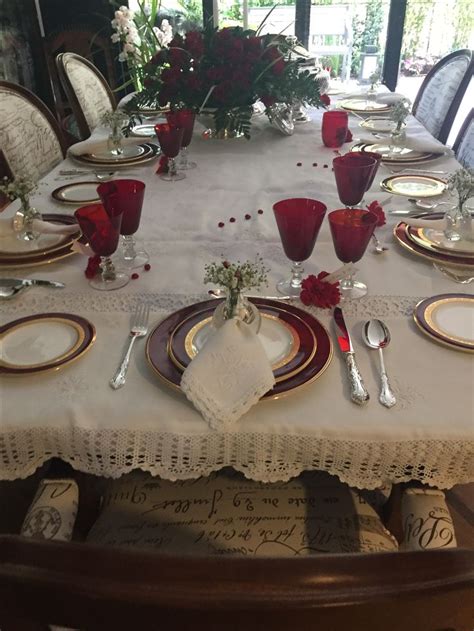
458	218
234	278
226	71
21	188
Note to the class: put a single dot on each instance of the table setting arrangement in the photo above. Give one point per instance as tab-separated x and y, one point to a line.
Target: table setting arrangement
219	371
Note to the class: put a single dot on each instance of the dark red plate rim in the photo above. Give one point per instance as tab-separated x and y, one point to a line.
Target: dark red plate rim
459	261
45	256
160	362
420	319
306	337
151	151
89	338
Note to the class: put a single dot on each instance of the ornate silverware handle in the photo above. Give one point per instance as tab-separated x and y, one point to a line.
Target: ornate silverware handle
386	396
118	380
359	392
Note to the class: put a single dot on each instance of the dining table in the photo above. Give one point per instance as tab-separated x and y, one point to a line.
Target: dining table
223	208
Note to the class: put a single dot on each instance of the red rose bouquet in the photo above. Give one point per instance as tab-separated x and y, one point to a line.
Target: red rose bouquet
226	71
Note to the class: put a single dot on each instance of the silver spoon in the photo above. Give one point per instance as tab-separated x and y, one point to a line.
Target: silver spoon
379	248
220	293
376	335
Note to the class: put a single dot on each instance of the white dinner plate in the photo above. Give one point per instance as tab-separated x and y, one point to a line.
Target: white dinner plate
412	185
77	193
128	152
448	319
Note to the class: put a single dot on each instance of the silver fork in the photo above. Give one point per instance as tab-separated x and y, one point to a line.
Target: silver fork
139	328
378	247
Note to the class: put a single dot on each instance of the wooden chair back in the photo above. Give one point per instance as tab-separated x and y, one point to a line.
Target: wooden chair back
441	92
90	587
464	144
31	141
87	90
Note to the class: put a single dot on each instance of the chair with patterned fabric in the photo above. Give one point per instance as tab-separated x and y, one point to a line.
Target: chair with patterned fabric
441	93
31	142
464	145
87	90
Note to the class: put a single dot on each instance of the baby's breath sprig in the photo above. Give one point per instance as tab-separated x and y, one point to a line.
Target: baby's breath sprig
115	119
462	181
237	276
400	111
20	187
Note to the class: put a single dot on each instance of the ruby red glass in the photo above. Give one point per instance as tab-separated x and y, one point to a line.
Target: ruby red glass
184	119
378	159
298	221
126	196
353	171
351	231
101	227
170	139
334	128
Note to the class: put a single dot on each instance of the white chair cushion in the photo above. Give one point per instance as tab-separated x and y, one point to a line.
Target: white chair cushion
228	514
465	153
27	139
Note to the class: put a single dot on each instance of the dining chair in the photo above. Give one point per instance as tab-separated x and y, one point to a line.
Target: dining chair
31	142
441	93
93	587
464	144
87	91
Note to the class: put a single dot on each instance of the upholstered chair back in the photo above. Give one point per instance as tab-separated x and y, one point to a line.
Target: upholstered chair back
464	145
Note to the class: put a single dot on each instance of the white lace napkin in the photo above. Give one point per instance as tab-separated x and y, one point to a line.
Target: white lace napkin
229	375
44	227
96	146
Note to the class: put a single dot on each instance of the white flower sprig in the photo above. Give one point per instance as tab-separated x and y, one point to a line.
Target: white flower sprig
114	119
374	79
237	276
462	181
400	111
20	188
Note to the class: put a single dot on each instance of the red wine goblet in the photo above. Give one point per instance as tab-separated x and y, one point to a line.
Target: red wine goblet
184	119
102	230
351	231
126	196
298	221
334	128
352	172
170	139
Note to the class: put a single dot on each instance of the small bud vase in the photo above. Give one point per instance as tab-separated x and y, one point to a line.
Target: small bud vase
115	139
236	305
459	223
23	221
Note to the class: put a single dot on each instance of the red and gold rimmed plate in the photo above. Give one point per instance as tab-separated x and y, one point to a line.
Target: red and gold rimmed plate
414	185
448	319
159	359
289	342
146	153
60	248
405	156
43	343
77	193
402	234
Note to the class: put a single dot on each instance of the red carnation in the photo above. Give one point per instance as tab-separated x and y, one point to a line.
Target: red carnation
318	292
325	100
378	211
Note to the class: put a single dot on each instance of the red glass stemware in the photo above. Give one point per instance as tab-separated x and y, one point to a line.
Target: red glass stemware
352	172
351	231
185	119
298	221
170	139
126	196
102	230
334	128
378	159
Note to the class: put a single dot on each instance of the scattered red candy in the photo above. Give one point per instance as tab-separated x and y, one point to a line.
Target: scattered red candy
147	267
135	276
260	211
221	224
247	216
315	164
298	164
232	220
325	166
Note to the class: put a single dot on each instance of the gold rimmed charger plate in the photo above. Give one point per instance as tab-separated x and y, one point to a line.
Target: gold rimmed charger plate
24	343
405	156
361	106
150	154
428	318
380	124
418	186
431	240
65	194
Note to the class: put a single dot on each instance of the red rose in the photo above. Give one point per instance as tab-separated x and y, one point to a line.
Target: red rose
325	100
268	101
318	292
177	41
171	75
177	57
193	42
378	211
159	58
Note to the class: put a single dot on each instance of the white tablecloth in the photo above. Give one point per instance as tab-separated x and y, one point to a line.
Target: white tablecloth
75	415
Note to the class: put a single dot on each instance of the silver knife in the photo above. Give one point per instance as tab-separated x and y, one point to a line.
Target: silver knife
359	392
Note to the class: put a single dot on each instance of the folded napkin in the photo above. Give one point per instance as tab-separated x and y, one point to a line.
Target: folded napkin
434	224
43	227
96	146
229	375
390	98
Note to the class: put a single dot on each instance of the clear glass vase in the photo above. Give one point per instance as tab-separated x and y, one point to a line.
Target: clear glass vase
115	139
397	140
236	305
23	222
458	223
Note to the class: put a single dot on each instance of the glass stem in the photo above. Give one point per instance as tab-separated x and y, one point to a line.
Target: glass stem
172	171
129	252
296	274
183	157
108	269
348	281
